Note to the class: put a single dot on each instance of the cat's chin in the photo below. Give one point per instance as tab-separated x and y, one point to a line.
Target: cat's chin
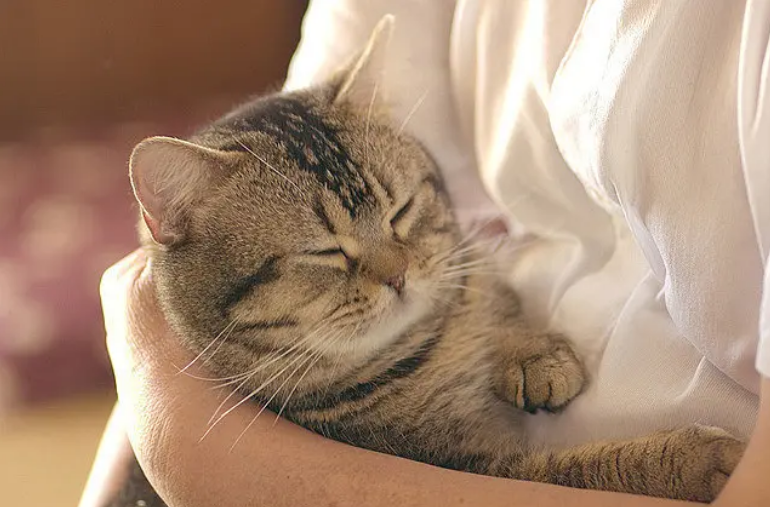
399	314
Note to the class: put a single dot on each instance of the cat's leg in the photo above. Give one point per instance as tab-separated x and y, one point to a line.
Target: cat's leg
692	463
538	370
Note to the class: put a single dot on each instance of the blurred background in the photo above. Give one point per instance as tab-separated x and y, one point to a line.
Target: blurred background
81	82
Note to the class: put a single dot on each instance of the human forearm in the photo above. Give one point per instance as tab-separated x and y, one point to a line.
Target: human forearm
299	472
292	467
165	414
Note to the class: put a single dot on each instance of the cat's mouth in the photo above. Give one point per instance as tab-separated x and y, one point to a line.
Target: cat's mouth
395	306
405	306
399	311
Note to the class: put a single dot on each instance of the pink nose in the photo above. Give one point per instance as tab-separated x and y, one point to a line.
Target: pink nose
396	283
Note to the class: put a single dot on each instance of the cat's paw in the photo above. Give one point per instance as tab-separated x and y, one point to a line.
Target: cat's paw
701	459
548	378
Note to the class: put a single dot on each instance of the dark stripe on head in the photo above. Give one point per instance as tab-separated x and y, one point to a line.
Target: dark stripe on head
318	209
267	272
401	369
310	141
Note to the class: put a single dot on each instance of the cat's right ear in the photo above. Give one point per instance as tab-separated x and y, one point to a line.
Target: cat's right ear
360	81
168	177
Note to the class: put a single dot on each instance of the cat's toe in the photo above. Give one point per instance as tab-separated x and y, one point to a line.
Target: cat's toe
546	380
707	457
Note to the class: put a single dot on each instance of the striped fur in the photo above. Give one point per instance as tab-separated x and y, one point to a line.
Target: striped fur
328	253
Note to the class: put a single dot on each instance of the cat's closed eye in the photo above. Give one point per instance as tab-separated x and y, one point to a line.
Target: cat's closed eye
403	218
333	257
401	213
328	252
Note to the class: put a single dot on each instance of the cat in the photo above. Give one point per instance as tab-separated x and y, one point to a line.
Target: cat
312	246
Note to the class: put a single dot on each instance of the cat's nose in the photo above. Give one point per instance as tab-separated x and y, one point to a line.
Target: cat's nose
387	267
396	283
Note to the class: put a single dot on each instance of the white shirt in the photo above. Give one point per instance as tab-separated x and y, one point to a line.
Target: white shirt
631	140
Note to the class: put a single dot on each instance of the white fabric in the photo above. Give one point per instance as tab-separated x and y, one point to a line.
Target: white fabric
631	139
754	135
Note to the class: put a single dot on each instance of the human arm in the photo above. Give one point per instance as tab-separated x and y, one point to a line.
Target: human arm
165	413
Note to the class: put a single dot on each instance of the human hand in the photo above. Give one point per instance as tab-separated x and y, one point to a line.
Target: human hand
164	413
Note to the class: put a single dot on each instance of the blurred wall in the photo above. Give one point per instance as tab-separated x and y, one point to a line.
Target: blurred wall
93	61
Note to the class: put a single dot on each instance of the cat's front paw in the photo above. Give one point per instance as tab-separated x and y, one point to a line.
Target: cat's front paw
548	375
701	459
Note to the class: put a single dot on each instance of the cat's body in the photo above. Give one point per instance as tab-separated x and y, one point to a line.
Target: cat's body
442	382
305	248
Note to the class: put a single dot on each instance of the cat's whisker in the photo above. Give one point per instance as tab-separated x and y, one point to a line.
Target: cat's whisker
476	244
245	376
470	272
477	228
231	379
460	286
460	250
505	247
300	342
468	265
321	352
276	171
267	361
254	393
229	327
457	249
472	262
308	356
277	356
233	392
463	277
442	300
471	245
412	111
347	341
335	318
480	268
248	375
477	269
219	346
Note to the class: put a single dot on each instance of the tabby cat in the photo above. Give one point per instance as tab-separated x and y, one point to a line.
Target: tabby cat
310	245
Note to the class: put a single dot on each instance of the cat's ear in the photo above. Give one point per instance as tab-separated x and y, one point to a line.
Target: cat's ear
360	81
168	176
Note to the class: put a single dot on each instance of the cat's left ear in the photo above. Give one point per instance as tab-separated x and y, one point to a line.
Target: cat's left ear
169	176
360	82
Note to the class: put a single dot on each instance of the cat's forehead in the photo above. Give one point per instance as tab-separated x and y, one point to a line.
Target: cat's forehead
305	138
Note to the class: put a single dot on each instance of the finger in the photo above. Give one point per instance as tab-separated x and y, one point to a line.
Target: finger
138	336
118	290
120	273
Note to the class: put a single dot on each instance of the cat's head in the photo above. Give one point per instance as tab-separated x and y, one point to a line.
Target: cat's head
299	216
